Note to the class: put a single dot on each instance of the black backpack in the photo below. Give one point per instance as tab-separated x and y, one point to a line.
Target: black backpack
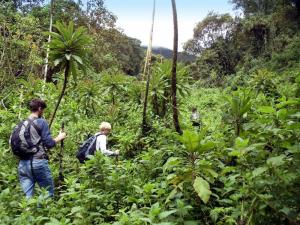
87	148
25	139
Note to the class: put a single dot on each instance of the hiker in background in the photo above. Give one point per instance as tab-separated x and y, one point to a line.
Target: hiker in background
30	141
195	119
101	143
97	142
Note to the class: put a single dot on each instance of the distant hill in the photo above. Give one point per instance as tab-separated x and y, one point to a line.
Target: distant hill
168	53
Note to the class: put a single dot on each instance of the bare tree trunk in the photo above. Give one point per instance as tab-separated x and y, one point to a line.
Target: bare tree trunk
174	68
147	73
67	70
49	40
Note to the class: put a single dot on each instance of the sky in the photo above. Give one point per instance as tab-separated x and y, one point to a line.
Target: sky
134	18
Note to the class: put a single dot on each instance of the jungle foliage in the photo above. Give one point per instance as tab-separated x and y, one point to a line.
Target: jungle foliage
242	167
225	45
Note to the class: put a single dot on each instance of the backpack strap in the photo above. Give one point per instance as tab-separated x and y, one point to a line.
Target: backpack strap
27	135
95	136
37	145
38	130
36	127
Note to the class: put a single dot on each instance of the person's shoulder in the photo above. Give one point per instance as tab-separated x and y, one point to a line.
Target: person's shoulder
101	136
41	122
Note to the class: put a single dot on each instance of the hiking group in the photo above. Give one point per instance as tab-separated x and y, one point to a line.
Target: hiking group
30	141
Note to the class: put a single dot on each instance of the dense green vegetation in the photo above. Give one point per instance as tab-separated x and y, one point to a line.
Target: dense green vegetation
241	168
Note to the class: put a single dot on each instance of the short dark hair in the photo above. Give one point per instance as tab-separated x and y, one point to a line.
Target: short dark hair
35	104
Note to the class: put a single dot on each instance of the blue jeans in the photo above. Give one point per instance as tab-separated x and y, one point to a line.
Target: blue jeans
39	173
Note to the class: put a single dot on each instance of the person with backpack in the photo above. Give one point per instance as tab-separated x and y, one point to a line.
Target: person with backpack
97	142
30	141
195	119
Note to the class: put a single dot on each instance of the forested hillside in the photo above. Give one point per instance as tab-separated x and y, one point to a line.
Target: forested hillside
242	166
183	57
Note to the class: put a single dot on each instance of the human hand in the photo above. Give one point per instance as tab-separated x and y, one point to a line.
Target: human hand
117	152
61	136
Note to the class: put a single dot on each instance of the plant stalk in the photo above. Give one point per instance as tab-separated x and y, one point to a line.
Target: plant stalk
67	70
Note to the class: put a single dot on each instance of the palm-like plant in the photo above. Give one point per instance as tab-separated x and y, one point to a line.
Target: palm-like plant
238	104
161	82
196	145
114	84
158	85
68	49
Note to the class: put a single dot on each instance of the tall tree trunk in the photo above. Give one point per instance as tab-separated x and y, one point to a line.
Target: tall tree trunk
67	70
147	73
49	39
174	68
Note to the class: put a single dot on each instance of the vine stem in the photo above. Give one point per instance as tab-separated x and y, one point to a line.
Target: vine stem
67	69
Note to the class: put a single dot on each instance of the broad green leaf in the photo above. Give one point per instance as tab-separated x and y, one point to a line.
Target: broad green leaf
296	115
53	221
282	114
237	153
78	59
202	188
172	161
266	109
138	189
191	222
212	172
286	210
171	195
165	214
146	220
58	61
206	146
190	140
295	101
276	161
155	210
76	209
164	223
241	143
258	171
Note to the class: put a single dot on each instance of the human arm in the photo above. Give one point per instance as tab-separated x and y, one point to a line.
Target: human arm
47	139
101	145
